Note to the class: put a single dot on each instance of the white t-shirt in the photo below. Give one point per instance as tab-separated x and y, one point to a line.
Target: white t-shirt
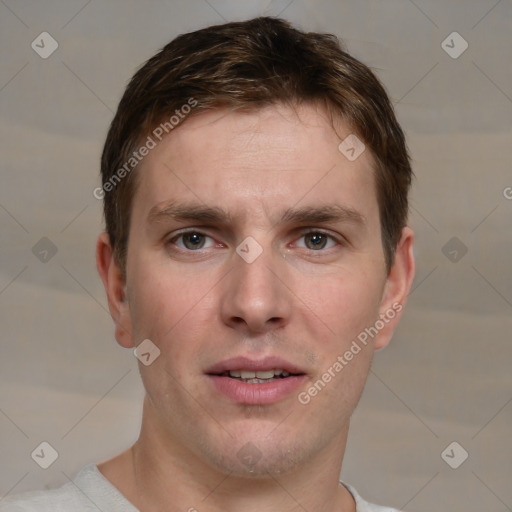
90	491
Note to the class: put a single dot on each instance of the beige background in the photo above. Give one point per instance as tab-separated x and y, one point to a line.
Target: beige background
446	376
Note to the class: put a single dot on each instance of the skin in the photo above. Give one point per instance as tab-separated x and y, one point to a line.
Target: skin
296	301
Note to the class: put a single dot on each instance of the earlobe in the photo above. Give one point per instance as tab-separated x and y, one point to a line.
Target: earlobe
115	289
398	285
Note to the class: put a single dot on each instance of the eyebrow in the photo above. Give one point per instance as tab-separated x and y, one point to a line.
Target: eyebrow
324	213
186	212
203	213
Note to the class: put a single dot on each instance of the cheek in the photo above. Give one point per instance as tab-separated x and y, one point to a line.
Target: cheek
163	300
168	307
345	303
172	313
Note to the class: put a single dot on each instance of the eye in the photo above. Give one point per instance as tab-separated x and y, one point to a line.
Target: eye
192	241
318	240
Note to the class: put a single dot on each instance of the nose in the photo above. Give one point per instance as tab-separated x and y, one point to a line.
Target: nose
255	296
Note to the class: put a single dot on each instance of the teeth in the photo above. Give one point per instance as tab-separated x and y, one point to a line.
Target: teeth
269	374
264	374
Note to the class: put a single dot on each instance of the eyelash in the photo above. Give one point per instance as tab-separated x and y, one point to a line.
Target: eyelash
340	241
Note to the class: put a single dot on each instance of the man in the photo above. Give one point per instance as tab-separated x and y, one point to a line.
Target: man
256	254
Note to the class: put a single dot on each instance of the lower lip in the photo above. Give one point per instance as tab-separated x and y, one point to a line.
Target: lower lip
257	394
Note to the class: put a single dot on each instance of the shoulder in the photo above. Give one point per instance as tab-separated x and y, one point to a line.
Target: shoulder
88	492
63	499
364	506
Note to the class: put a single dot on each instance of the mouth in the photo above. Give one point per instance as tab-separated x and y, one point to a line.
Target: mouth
253	382
257	377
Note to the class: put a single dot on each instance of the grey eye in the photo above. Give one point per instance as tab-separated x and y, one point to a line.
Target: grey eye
316	241
193	240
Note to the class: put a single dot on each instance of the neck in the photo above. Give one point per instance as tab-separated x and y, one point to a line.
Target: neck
161	474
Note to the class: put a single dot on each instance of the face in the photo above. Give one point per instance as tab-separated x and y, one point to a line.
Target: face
254	246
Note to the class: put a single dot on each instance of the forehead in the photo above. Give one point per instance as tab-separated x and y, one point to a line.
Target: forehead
255	162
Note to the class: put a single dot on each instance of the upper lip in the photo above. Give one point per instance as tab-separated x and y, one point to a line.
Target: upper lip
244	363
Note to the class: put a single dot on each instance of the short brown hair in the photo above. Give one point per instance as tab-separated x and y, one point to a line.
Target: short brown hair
249	65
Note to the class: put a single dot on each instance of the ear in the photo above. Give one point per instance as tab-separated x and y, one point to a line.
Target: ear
398	284
115	288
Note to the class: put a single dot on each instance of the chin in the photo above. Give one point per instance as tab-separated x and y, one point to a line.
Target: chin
257	457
